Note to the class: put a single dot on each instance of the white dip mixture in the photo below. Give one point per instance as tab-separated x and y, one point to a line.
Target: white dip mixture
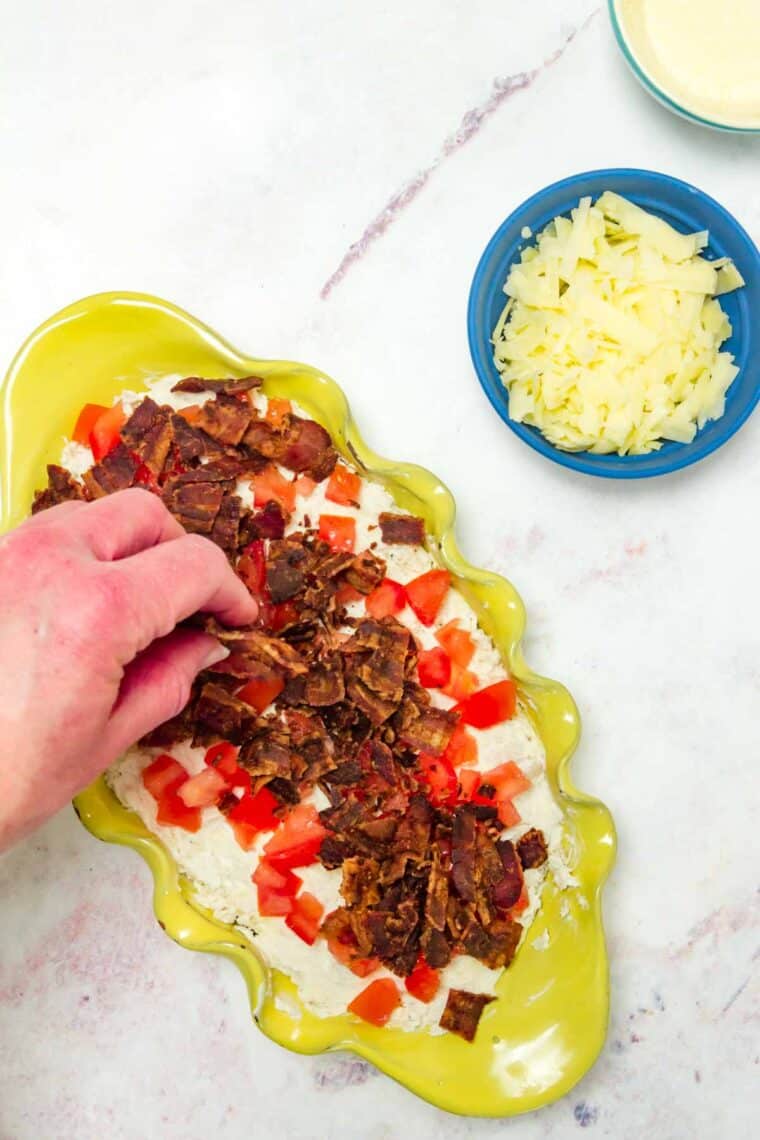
704	54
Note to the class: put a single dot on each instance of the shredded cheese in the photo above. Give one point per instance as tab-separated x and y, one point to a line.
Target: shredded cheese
610	340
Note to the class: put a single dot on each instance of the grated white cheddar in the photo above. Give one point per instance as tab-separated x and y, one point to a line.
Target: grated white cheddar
610	340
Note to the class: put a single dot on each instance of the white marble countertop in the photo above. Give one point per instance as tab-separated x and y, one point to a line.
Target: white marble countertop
317	181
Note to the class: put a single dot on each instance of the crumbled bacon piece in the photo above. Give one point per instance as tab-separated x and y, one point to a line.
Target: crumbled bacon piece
402	529
231	387
531	848
463	1012
225	419
61	488
115	472
148	433
194	505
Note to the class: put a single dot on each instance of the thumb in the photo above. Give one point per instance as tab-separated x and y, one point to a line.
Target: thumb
156	685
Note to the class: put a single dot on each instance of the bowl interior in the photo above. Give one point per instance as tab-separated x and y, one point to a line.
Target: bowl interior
687	210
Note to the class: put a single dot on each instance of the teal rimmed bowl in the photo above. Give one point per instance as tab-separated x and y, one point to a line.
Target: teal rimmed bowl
655	86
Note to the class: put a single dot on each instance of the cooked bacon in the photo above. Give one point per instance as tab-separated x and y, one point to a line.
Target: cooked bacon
254	643
531	848
437	897
375	667
263	756
224	532
61	488
463	1012
269	522
225	419
421	726
349	772
365	571
148	433
194	505
405	530
308	448
507	891
324	683
232	386
115	472
435	947
463	854
189	443
359	886
264	440
222	712
287	563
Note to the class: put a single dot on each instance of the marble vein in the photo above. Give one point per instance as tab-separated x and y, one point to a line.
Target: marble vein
503	88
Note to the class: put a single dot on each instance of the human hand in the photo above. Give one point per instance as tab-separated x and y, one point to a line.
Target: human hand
90	660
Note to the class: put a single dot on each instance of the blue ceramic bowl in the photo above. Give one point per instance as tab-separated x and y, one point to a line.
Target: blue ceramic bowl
688	210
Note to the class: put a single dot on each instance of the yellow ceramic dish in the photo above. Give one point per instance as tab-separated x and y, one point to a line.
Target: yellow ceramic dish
549	1022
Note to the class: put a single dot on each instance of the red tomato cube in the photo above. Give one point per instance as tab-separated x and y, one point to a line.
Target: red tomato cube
338	531
389	598
434	668
377	1002
426	594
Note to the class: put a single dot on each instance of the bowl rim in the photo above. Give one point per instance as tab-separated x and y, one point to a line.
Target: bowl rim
671	462
660	93
97	345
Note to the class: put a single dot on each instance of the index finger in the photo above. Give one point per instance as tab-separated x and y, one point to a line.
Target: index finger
123	523
168	583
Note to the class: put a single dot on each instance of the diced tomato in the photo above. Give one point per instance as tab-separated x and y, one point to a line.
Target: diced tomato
305	917
223	757
281	615
145	477
434	668
203	790
277	410
271	486
508	779
276	889
86	421
346	594
461	683
305	485
457	642
462	748
423	982
426	593
104	434
508	813
439	777
253	814
386	599
174	812
489	706
261	691
344	949
190	413
338	531
377	1002
343	487
522	903
298	839
163	776
469	782
252	567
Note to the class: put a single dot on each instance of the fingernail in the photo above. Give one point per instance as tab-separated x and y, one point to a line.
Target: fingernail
216	654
